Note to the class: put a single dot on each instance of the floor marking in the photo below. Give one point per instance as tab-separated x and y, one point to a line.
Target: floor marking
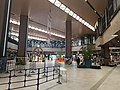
101	80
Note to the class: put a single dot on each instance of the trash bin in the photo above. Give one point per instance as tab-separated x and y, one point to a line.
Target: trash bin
3	62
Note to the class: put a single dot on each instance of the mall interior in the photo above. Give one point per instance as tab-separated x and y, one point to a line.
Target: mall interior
60	44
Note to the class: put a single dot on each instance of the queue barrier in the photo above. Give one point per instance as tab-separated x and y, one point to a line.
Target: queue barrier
50	74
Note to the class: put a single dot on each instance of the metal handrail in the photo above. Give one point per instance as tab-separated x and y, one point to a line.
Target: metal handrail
48	73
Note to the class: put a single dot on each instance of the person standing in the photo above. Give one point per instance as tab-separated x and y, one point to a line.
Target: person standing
78	61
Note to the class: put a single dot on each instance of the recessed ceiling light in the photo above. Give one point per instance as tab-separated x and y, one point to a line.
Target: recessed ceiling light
80	19
52	1
83	21
87	24
57	3
67	10
71	13
74	15
77	17
62	7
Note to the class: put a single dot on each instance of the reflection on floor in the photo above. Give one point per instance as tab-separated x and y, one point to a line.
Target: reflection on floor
107	78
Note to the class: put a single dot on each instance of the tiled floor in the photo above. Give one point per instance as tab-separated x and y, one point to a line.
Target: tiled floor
107	78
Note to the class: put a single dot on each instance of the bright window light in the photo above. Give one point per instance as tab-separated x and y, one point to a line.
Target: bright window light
77	17
52	1
67	10
74	15
62	7
57	3
71	13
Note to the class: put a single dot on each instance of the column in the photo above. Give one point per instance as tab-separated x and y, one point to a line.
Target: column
105	53
23	29
5	7
68	50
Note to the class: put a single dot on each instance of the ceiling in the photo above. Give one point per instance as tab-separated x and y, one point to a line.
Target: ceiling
39	10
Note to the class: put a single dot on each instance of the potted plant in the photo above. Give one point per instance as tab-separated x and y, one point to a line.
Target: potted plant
20	61
87	52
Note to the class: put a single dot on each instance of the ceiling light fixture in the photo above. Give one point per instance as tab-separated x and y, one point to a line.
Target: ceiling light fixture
67	10
62	7
52	1
77	17
74	15
57	3
80	19
114	35
71	13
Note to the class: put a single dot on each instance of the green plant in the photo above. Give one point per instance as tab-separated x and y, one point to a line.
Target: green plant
60	53
20	61
87	52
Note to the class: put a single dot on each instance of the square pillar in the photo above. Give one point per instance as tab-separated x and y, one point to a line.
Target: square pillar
68	46
23	31
105	53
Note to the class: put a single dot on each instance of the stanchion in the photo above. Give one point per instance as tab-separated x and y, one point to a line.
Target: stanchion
9	82
25	78
53	71
59	82
44	69
38	79
47	74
